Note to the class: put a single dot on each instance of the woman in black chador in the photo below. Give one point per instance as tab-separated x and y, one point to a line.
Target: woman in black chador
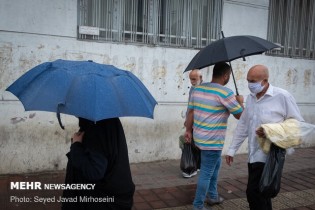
99	155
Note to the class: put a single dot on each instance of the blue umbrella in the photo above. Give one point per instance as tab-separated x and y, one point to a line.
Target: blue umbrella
84	89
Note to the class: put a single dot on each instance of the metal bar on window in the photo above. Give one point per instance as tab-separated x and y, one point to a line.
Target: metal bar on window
303	30
199	19
282	24
310	43
178	22
131	23
156	28
188	22
294	27
144	22
288	27
209	23
167	25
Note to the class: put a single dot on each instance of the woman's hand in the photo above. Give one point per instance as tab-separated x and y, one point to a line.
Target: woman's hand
77	137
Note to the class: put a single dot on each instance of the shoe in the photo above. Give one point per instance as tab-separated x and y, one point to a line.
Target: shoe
212	202
185	175
203	208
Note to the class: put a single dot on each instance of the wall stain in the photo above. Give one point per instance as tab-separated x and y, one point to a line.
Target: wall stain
115	60
295	77
291	77
16	120
158	72
26	62
106	59
179	76
41	46
56	163
140	69
31	116
131	65
6	54
4	136
159	75
79	56
307	78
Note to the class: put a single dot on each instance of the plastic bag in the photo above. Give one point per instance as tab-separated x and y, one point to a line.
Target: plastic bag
197	155
270	180
307	132
287	134
188	163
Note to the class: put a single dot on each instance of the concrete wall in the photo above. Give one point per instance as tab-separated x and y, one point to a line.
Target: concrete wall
41	30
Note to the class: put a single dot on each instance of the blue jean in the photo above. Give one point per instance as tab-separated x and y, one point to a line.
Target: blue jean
208	177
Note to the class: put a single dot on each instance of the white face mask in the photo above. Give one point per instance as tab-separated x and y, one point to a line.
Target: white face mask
255	87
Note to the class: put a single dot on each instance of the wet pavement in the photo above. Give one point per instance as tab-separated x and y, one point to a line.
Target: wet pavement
159	185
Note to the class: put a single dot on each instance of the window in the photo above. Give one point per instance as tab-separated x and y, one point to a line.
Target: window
292	25
176	23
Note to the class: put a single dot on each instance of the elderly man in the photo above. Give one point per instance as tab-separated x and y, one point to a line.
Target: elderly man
195	78
265	104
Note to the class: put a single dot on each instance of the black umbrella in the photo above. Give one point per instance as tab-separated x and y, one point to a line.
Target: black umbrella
228	49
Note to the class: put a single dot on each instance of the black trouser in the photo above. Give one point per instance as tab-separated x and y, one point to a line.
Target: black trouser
254	197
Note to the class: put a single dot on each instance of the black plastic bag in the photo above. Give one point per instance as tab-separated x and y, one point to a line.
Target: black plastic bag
197	153
188	163
270	180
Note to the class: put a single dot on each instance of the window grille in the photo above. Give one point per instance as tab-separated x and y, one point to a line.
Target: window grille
175	23
292	25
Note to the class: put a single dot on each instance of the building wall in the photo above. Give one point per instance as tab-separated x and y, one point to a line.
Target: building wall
33	141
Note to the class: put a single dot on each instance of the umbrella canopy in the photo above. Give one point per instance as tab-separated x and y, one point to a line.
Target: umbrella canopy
228	49
84	89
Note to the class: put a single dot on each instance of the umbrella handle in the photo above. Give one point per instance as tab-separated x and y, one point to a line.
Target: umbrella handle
242	54
222	34
58	116
236	90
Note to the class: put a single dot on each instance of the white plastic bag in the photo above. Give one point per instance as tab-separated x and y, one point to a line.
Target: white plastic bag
290	133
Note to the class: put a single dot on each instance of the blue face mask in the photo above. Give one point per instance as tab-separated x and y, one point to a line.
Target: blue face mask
255	87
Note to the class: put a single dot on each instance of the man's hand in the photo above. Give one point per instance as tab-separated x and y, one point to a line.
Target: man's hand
240	99
188	136
260	133
229	159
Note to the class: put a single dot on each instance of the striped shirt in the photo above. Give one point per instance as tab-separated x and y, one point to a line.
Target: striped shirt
212	104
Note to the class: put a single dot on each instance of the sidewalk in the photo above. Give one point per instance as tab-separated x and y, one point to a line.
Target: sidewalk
159	185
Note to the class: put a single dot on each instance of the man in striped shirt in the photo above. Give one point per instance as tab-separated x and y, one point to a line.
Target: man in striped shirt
209	108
